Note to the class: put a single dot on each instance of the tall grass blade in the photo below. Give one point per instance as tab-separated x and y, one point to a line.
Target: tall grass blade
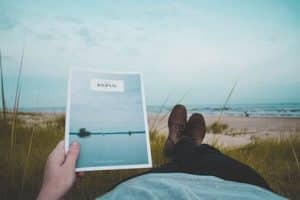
14	139
294	153
183	96
26	165
17	109
156	119
16	103
2	91
167	113
226	101
178	102
14	119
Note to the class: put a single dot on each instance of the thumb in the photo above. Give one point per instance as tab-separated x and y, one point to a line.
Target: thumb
72	155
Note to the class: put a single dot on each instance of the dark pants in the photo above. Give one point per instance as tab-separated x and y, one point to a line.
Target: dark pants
206	160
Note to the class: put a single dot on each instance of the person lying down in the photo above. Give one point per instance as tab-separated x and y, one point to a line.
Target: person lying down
195	170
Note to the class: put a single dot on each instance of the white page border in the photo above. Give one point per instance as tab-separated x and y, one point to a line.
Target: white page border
147	134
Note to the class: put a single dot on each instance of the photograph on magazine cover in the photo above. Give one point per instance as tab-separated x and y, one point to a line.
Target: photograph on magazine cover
106	115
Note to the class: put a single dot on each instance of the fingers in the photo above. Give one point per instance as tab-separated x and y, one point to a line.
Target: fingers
57	156
80	174
72	155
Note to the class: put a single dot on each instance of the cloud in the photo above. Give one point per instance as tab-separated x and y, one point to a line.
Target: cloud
7	23
69	19
176	45
48	29
87	36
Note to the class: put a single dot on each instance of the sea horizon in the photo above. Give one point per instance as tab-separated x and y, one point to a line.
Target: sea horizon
288	110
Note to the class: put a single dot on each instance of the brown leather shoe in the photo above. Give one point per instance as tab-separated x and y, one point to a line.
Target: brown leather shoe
176	124
195	128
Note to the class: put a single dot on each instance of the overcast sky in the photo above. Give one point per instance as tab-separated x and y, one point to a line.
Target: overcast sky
197	48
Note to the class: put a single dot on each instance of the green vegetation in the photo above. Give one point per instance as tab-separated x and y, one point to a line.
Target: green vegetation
277	160
217	127
22	170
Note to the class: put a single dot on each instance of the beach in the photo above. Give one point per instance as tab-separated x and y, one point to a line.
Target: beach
240	131
39	132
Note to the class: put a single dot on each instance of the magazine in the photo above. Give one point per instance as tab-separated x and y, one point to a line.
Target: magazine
106	115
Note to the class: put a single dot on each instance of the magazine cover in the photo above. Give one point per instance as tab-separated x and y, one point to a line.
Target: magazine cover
106	115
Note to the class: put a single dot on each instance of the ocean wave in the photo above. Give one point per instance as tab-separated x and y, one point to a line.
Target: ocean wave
255	110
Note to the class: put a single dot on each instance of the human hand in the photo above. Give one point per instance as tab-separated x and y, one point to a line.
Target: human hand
59	174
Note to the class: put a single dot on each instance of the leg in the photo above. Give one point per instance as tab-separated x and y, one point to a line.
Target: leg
206	160
176	125
166	168
190	156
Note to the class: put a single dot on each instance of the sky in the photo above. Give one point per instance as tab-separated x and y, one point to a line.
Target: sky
191	49
105	111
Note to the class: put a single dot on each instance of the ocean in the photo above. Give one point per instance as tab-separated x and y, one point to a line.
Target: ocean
290	110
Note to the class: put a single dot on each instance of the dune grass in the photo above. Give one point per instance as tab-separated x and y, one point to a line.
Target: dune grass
277	160
217	127
21	174
2	90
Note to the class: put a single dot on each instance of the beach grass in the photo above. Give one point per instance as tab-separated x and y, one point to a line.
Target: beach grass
277	160
21	174
217	127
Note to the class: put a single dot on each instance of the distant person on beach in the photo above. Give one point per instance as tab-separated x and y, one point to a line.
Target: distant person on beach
196	170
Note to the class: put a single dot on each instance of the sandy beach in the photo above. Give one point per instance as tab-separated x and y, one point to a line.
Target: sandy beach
241	130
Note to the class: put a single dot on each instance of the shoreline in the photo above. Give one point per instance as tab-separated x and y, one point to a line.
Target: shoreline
165	113
240	131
